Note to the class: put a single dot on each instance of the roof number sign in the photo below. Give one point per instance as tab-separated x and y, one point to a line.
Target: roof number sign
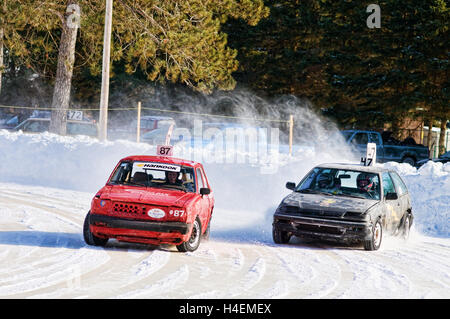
164	150
371	155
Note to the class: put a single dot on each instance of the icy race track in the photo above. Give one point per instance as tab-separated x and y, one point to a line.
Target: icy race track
43	254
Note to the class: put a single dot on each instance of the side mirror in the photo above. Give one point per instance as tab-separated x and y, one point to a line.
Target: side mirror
391	196
290	185
205	191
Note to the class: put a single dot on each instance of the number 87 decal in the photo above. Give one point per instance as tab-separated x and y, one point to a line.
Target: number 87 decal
176	213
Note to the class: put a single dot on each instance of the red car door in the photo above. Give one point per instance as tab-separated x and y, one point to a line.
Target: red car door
204	199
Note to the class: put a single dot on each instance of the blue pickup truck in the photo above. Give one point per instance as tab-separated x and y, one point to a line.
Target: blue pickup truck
387	150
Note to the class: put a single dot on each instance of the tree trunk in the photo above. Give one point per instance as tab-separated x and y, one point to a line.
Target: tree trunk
2	45
442	136
430	136
64	71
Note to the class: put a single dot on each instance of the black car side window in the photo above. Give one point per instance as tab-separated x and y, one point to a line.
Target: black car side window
399	185
388	186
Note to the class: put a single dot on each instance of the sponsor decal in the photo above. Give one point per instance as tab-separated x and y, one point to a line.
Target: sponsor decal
158	194
327	202
156	213
159	166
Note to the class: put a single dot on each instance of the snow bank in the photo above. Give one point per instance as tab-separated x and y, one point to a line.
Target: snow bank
246	194
79	163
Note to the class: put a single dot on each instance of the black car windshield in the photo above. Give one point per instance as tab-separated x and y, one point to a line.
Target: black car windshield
156	175
339	182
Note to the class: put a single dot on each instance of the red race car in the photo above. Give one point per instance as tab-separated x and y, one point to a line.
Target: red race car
152	200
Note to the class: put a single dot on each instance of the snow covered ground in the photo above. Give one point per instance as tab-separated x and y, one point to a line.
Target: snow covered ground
47	182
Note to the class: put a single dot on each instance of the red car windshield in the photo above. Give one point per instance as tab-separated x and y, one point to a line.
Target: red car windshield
156	175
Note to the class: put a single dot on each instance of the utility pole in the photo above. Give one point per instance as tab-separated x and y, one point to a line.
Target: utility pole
105	71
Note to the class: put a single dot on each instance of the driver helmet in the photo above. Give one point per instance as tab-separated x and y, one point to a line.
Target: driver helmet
364	182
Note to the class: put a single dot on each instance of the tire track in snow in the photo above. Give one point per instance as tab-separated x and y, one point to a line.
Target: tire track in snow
254	274
53	255
61	270
57	213
45	199
375	276
161	287
238	269
43	255
151	264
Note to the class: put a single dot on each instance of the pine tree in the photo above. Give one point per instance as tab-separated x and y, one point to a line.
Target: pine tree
387	73
177	41
281	55
363	77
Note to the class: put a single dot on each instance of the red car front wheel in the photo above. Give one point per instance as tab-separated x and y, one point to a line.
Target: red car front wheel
194	241
89	237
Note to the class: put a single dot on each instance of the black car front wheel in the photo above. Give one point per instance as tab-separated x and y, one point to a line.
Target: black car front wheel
279	236
377	235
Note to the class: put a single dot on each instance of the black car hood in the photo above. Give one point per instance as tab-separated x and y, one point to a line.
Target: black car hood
314	202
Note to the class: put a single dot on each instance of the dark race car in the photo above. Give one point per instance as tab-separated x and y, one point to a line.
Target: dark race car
347	203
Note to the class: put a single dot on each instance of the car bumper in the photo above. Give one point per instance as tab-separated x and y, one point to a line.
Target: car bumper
140	231
323	228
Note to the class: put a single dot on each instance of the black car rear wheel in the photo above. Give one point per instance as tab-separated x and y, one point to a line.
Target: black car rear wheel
279	236
377	235
406	227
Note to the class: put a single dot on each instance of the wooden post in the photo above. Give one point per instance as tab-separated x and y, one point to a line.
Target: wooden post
291	133
138	133
105	71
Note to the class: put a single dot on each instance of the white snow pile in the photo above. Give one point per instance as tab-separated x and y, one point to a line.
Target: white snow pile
246	190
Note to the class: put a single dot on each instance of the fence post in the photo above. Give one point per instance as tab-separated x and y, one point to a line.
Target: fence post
291	133
138	133
446	143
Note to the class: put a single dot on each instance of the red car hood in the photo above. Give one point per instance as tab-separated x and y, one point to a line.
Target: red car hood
154	196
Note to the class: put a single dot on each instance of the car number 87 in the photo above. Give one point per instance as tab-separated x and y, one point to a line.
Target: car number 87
176	213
